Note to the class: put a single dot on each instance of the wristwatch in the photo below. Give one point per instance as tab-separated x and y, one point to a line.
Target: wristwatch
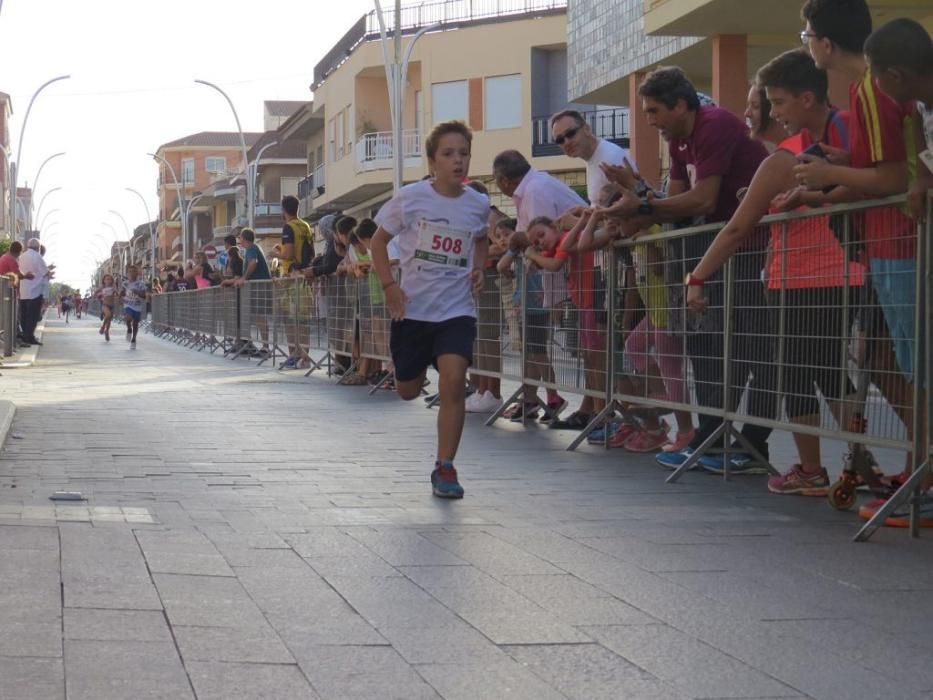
645	209
691	280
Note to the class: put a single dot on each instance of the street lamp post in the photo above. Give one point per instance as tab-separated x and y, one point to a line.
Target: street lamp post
152	237
47	215
129	234
187	214
396	76
254	176
181	206
39	208
22	132
35	185
249	185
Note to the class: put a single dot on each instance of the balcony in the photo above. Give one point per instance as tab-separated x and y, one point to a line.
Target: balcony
221	231
268	209
416	15
376	150
610	124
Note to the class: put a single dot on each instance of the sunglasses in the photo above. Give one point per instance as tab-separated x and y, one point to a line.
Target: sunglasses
567	135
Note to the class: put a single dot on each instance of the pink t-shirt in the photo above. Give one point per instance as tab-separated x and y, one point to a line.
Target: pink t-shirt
8	264
202	282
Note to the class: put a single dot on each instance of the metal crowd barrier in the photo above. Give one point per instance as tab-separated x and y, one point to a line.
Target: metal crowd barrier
797	334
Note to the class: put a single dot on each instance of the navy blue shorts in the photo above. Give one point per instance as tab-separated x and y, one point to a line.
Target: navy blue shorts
132	313
416	345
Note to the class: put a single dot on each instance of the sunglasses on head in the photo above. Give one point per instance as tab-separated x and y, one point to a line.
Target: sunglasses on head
569	134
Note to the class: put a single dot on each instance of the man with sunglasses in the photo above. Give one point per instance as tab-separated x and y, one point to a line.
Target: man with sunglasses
576	140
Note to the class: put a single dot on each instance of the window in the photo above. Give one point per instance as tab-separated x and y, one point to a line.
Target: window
350	127
288	185
187	171
450	101
215	164
331	146
503	102
419	109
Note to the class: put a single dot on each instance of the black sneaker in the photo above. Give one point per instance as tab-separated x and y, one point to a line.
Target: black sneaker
575	421
430	398
522	412
553	410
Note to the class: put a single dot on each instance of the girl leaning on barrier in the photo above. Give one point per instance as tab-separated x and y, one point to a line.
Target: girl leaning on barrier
441	227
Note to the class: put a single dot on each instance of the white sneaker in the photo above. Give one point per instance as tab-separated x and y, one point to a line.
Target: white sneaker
487	403
471	403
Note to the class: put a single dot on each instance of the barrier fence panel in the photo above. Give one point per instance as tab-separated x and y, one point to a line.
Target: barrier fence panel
293	309
160	312
317	293
256	313
341	315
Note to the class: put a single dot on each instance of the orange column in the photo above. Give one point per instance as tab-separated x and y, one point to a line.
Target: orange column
644	141
730	71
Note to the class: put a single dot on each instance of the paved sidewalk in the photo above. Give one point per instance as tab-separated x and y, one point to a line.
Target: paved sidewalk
250	534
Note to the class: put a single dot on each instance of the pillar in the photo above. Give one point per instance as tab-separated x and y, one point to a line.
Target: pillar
730	72
644	140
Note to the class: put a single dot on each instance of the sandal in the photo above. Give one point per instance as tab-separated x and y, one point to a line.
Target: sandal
353	379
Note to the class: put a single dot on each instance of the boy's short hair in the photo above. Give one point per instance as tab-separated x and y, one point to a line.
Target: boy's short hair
510	224
542	221
846	23
247	234
230	239
572	113
345	225
796	72
440	130
290	204
366	229
669	85
901	43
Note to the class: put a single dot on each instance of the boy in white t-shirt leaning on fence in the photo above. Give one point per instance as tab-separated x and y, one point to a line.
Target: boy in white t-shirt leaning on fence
440	227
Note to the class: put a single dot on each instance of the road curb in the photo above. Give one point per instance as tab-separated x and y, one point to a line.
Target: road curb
27	358
7	411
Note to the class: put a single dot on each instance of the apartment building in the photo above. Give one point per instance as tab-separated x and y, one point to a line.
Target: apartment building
501	68
612	44
6	111
198	162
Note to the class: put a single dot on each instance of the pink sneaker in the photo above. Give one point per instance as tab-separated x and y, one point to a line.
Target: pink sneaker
620	435
797	482
648	440
680	442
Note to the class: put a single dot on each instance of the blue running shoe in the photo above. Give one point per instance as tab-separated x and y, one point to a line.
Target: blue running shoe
739	463
672	460
598	435
444	482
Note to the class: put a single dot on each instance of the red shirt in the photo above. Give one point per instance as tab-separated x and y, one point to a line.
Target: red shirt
8	264
581	277
719	145
880	131
813	257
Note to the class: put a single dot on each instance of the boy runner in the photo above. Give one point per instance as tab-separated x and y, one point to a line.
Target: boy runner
441	228
135	293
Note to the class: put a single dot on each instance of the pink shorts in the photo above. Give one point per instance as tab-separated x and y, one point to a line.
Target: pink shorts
592	333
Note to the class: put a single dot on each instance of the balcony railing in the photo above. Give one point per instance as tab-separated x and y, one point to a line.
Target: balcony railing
221	231
610	124
447	13
268	209
375	151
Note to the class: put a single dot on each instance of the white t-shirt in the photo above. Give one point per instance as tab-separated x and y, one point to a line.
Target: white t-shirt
436	237
31	261
606	152
135	295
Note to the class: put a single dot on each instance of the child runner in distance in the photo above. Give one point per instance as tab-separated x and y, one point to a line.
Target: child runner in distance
134	303
107	296
441	227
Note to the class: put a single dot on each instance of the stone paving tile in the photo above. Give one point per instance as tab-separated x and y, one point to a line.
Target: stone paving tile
592	672
480	679
116	625
124	669
35	639
222	681
253	645
207	601
363	673
30	679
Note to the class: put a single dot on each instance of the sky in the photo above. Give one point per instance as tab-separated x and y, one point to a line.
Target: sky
132	65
